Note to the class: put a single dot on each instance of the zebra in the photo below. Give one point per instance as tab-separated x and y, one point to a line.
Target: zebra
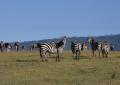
84	46
17	46
105	49
23	47
51	48
94	45
8	47
1	46
102	47
5	46
76	49
33	46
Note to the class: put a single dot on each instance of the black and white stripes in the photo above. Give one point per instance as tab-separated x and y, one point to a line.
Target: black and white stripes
52	48
48	47
76	48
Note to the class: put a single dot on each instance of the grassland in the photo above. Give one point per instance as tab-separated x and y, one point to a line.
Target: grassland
25	68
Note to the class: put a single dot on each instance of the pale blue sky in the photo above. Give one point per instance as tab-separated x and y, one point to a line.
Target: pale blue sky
43	19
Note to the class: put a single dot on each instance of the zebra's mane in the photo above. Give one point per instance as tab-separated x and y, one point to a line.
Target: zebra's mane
61	44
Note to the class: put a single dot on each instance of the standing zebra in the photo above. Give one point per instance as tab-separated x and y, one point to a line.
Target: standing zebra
17	46
1	46
84	46
33	46
94	45
99	48
102	47
76	48
8	47
23	48
52	48
105	49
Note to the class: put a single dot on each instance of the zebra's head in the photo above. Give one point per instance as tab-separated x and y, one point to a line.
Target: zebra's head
62	43
64	38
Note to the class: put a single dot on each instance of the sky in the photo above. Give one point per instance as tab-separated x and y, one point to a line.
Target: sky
25	20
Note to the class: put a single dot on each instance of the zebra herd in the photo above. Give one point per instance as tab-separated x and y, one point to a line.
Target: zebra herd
52	47
103	48
8	46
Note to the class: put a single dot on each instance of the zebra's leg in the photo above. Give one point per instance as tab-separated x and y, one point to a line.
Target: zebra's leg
58	56
99	52
17	49
93	52
41	55
44	57
1	49
78	55
103	54
106	54
73	55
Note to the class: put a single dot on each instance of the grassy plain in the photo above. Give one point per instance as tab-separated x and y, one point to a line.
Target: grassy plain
25	68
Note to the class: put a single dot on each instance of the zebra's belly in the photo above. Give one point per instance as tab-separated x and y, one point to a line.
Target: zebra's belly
54	50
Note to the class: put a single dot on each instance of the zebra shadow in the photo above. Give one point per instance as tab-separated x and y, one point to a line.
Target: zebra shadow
27	60
84	57
54	57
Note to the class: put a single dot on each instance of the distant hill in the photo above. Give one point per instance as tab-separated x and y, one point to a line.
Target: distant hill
113	39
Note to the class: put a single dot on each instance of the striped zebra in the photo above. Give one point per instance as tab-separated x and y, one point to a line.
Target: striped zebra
17	46
84	46
76	49
8	47
1	46
105	48
33	46
102	47
51	48
94	45
5	46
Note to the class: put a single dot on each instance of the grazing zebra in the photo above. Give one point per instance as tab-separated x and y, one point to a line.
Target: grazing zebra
51	48
1	46
76	48
17	46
